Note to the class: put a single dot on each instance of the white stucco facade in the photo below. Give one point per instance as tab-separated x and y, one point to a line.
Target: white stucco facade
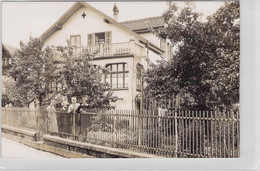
135	46
92	23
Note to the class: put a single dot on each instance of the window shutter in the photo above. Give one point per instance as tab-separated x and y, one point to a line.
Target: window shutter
90	39
96	40
108	37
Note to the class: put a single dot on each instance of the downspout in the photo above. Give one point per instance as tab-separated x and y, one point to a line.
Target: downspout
142	80
147	53
133	99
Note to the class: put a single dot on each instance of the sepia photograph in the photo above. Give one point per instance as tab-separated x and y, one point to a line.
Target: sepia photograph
120	79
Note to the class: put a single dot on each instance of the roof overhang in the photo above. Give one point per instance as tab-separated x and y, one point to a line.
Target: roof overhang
58	25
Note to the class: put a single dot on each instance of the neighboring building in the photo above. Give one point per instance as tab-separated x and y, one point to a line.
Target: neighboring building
124	47
7	52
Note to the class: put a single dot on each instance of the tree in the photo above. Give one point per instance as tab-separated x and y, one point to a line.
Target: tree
224	73
9	92
80	78
205	66
32	66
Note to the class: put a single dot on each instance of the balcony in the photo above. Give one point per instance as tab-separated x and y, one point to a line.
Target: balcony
114	49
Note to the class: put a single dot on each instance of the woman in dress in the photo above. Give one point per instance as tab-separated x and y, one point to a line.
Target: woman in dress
52	118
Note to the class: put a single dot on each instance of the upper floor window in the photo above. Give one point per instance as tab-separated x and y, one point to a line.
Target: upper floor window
118	75
97	38
75	41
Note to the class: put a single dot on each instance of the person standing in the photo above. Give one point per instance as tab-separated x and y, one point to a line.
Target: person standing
73	118
85	116
64	117
52	118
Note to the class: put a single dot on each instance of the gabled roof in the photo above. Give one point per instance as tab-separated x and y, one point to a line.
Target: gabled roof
144	24
58	24
9	49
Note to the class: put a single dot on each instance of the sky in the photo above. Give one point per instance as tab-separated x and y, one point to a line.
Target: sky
23	19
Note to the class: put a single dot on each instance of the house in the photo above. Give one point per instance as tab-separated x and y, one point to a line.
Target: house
124	47
7	52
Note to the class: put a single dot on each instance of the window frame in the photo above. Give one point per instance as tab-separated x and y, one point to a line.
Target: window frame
74	36
92	41
75	46
117	72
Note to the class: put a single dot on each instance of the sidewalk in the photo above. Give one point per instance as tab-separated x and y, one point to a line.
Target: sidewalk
13	149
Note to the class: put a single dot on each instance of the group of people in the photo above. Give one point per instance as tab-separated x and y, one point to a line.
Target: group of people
65	122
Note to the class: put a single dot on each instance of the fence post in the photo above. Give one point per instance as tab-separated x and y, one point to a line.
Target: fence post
73	124
37	123
176	135
139	128
114	127
238	134
6	117
19	119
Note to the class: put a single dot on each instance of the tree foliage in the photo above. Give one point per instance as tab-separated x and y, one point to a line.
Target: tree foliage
35	67
6	83
32	66
80	78
205	66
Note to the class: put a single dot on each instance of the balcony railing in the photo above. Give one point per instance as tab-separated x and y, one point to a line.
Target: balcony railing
110	49
113	49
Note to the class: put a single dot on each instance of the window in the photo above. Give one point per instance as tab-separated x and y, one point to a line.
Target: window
90	39
75	41
118	76
95	38
99	37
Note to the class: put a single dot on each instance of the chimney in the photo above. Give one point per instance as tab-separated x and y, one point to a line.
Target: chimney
116	11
